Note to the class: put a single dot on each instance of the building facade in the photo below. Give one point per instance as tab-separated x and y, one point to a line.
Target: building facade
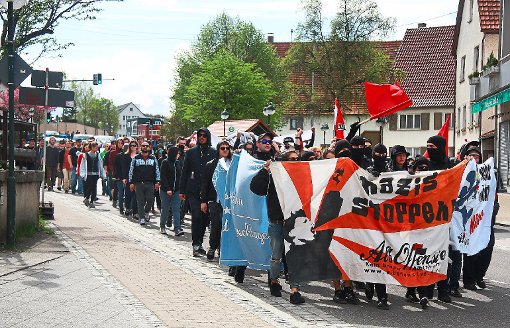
127	112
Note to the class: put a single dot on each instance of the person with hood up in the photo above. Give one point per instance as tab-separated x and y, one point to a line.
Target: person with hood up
169	190
210	201
191	177
399	157
358	152
439	160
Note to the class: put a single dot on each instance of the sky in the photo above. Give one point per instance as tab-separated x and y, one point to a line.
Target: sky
135	42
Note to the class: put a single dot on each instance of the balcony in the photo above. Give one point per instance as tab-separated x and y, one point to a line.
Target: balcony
493	80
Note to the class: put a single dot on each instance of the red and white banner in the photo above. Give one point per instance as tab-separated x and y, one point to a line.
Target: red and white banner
339	121
339	219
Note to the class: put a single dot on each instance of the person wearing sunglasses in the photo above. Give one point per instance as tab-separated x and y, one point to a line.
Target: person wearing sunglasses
209	200
129	196
265	150
193	168
144	179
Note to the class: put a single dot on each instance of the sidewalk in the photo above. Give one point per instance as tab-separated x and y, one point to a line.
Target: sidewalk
503	217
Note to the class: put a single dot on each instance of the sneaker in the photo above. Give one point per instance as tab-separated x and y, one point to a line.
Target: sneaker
339	296
296	298
114	205
424	302
481	283
86	202
121	211
59	188
66	191
455	293
444	297
276	290
147	217
169	223
210	254
411	297
201	250
179	233
142	221
369	292
92	205
383	304
162	231
231	271
470	286
351	296
195	251
239	276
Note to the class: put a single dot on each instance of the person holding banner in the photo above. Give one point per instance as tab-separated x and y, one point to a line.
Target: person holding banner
475	266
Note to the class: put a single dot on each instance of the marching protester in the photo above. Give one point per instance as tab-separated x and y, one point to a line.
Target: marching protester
209	201
84	150
144	180
76	184
399	157
169	190
262	184
193	168
119	174
91	169
131	207
65	165
52	155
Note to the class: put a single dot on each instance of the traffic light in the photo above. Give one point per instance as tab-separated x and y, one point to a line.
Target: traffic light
48	117
97	79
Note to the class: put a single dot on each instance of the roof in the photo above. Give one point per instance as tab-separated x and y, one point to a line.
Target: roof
489	11
425	56
249	125
299	78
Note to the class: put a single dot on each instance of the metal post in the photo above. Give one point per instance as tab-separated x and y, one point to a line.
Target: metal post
269	122
11	180
324	137
224	130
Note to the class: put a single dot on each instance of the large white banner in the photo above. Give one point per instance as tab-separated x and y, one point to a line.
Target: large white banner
470	228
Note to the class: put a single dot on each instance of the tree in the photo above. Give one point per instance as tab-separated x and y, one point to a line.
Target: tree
225	82
23	112
241	43
37	20
342	58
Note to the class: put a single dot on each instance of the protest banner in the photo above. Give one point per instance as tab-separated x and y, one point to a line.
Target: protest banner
470	229
339	219
244	237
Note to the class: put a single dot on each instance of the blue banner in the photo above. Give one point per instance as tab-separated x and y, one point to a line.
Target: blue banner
244	237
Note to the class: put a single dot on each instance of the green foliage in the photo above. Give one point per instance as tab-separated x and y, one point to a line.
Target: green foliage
37	20
474	74
230	66
341	58
491	61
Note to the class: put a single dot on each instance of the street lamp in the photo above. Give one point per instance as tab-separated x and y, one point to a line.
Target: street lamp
324	128
11	180
224	117
268	111
381	123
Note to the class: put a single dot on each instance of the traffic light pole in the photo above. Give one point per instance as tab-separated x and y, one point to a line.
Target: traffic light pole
11	180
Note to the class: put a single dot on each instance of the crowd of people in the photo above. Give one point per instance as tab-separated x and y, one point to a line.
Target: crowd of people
177	178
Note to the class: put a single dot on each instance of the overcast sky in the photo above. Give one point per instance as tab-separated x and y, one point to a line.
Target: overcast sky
135	41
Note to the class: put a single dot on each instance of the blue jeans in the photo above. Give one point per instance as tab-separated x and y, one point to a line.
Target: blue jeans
275	232
120	194
170	202
76	181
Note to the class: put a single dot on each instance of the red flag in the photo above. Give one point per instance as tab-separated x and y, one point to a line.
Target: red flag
443	132
339	121
385	99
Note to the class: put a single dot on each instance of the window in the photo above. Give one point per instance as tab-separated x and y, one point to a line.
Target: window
295	123
130	109
415	151
464	117
462	69
451	119
124	118
470	17
476	58
410	122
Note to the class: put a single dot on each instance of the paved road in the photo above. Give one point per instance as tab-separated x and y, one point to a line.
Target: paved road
166	286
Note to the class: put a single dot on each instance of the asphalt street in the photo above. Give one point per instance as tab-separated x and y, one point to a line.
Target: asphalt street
483	308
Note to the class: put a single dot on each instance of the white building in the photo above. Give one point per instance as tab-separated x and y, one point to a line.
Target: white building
127	111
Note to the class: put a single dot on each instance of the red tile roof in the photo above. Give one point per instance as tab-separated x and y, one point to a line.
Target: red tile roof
300	79
425	56
489	15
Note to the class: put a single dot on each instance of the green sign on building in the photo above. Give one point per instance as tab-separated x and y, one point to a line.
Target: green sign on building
494	100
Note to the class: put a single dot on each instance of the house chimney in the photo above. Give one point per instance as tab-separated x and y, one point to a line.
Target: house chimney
270	37
422	25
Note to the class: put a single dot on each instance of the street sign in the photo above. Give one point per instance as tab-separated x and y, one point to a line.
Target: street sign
54	79
36	97
21	72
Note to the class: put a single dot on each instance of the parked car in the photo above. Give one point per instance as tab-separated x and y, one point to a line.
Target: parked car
55	134
82	137
101	139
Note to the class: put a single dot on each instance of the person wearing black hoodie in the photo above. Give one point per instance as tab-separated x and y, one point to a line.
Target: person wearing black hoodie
439	160
193	168
399	157
209	201
169	190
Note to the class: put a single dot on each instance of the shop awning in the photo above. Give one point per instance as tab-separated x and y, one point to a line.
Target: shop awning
494	100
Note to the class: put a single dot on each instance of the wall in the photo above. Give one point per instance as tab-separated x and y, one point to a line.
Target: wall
27	199
62	127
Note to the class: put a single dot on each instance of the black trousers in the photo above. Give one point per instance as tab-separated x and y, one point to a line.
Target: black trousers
216	215
476	266
90	187
199	221
380	290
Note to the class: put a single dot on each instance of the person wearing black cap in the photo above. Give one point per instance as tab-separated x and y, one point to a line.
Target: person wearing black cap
379	155
475	266
287	141
266	149
193	168
399	156
439	160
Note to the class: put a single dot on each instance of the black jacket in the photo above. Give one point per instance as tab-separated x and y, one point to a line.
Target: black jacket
170	172
125	165
207	190
117	166
262	184
144	170
446	163
194	165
